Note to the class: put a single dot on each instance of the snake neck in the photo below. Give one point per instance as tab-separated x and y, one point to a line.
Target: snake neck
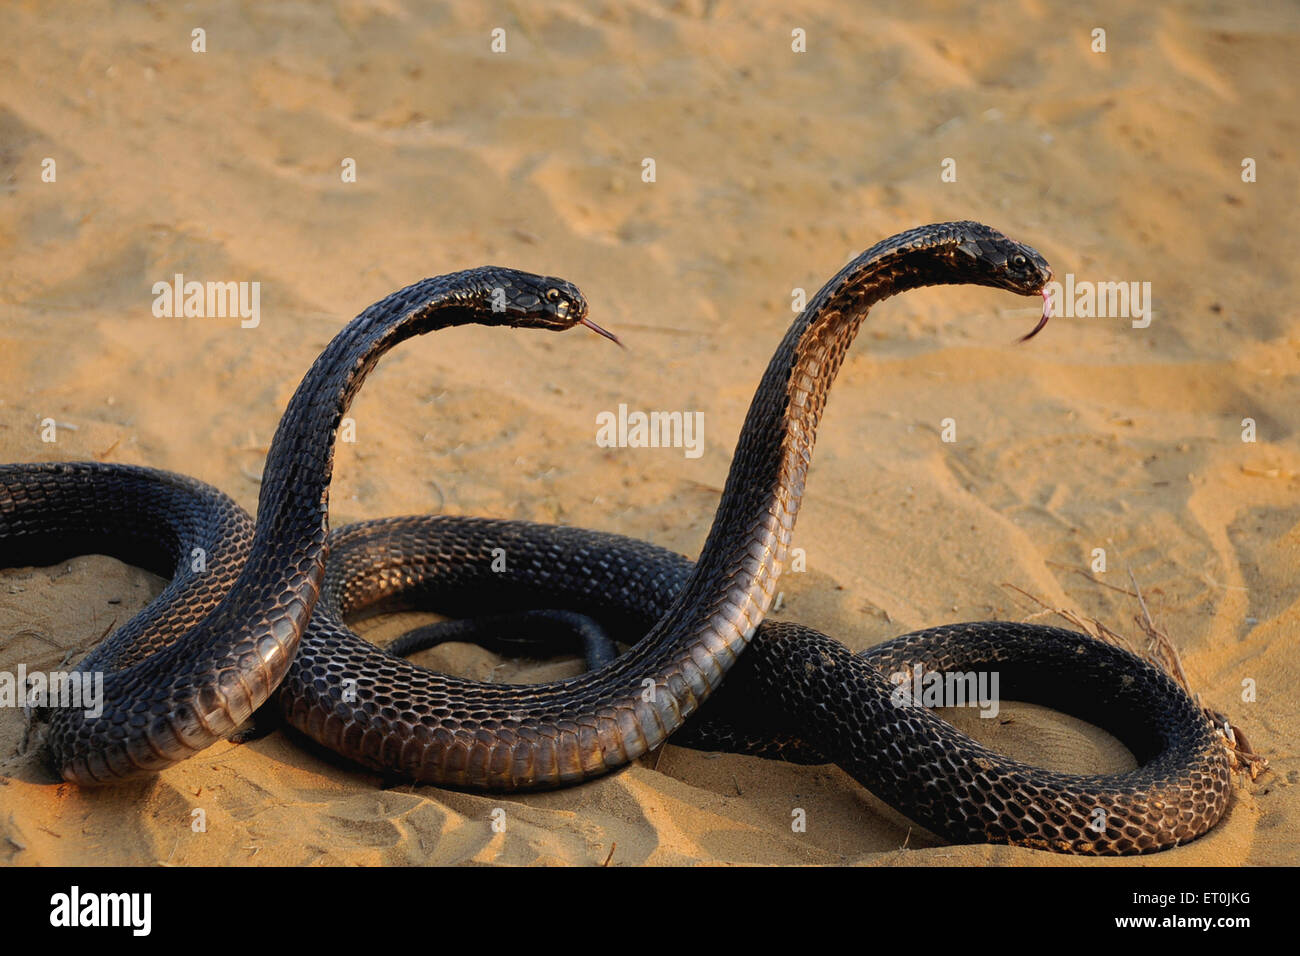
293	507
765	485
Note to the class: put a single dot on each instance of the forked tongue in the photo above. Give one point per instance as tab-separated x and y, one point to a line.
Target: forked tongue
1047	314
614	338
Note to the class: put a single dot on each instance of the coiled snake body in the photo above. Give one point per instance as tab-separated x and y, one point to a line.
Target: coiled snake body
196	663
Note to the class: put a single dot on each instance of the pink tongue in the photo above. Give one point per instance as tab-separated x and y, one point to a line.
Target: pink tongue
1047	314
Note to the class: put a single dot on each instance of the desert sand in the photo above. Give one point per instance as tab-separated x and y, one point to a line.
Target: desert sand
772	168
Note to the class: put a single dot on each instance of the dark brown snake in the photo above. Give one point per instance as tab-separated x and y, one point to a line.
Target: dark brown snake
196	663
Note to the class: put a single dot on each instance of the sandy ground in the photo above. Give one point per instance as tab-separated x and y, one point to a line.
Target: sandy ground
772	168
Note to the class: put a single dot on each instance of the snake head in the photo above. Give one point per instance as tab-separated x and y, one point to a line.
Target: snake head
524	300
987	257
990	258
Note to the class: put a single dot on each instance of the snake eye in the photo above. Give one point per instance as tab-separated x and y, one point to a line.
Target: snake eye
1019	261
552	295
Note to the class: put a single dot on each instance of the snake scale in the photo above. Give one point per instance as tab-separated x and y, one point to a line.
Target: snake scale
264	609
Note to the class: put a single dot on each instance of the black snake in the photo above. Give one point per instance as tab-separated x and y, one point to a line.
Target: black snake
223	636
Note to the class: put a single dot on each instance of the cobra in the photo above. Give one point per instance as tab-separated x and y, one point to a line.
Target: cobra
213	647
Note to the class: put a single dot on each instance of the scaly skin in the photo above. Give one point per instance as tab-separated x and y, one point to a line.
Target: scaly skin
203	657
